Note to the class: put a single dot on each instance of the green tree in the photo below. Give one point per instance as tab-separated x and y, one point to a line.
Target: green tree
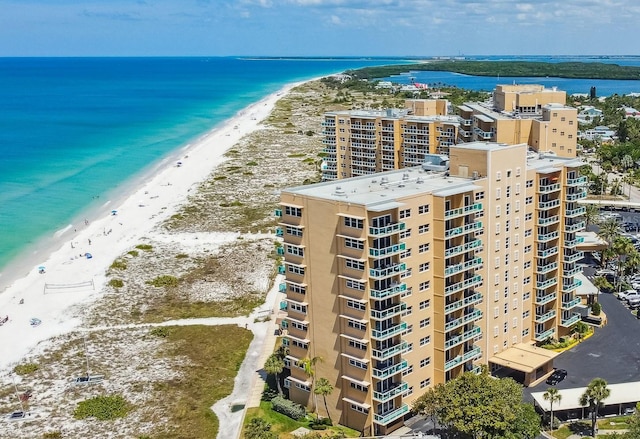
258	428
309	366
552	395
626	162
274	366
324	388
609	230
526	425
602	284
596	392
591	214
430	403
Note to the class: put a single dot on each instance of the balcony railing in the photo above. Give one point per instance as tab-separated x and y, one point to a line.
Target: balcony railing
545	317
542	269
571	304
472	354
576	196
548	188
464	266
471	317
573	257
548	236
461	211
574	227
544	299
570	321
387	251
457	231
548	252
467	283
578	211
393	270
389	332
543	285
453	251
545	205
388	292
577	181
390	371
541	336
545	221
383	354
571	272
467	301
387	230
568	287
389	312
388	417
572	243
465	336
391	393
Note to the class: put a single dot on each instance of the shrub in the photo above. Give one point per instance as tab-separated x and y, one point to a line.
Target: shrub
26	369
52	435
596	308
116	283
103	408
309	133
145	247
133	253
182	256
288	408
118	264
163	281
160	331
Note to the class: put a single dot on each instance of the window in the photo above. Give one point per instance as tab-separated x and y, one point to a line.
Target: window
405	254
295	269
526	296
358	386
528	233
497	210
424	228
526	314
357	408
423	209
425	340
425	304
406	213
354	243
508	191
516	240
496	295
424	285
517	188
355	285
299	344
506	242
506	308
498	193
496	312
359	364
498	176
506	259
297	288
407	371
525	332
529	183
425	322
497	279
292	211
406	273
354	304
505	327
423	248
527	265
407	311
425	362
527	249
527	280
479	196
497	262
405	234
302	309
496	331
507	209
497	245
357	325
423	267
528	200
298	326
507	225
425	383
515	303
303	387
528	216
294	250
515	271
517	222
293	231
354	264
497	228
353	222
358	345
515	287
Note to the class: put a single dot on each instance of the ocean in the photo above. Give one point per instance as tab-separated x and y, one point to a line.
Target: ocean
75	131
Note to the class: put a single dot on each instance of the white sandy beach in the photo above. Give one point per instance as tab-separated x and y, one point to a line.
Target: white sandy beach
107	237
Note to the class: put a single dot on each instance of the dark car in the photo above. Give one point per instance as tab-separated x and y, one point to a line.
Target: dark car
557	376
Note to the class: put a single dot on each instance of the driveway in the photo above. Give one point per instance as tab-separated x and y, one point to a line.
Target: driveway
612	353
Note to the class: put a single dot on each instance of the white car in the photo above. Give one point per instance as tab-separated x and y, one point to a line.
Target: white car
624	294
604	272
635	295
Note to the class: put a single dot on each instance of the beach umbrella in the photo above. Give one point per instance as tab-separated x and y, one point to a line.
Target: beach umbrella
113	212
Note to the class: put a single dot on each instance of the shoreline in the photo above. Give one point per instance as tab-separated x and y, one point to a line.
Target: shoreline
147	200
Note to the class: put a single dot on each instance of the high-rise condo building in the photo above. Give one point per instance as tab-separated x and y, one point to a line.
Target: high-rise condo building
404	279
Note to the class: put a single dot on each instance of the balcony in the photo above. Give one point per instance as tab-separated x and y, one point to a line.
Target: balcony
392	311
389	229
465	336
542	336
383	354
464	266
483	135
571	272
576	227
577	181
474	299
392	331
396	390
578	211
381	273
390	370
474	281
545	221
388	417
279	231
458	250
469	355
548	236
466	122
387	251
543	269
568	287
543	285
546	298
388	292
545	317
548	252
546	205
573	243
574	257
461	211
575	318
458	231
471	317
571	304
576	196
548	188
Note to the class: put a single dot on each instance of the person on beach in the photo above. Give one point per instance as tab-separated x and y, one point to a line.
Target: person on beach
89	242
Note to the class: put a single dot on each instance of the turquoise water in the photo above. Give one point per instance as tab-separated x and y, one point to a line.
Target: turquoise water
73	130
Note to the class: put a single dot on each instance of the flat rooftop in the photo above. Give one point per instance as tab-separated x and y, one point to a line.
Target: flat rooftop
621	393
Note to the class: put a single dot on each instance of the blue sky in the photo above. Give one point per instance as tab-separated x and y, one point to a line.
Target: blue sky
317	27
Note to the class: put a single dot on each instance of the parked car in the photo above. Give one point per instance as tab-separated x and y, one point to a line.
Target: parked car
633	302
557	376
632	296
624	294
604	272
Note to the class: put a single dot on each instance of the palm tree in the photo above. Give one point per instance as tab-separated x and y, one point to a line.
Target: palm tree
274	366
324	388
591	214
309	366
596	392
609	230
622	247
552	395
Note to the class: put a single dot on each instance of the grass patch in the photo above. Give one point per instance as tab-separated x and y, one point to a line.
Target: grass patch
116	283
164	281
207	378
293	156
103	408
615	423
182	256
52	435
144	247
160	331
252	163
26	369
220	177
133	253
173	307
118	264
